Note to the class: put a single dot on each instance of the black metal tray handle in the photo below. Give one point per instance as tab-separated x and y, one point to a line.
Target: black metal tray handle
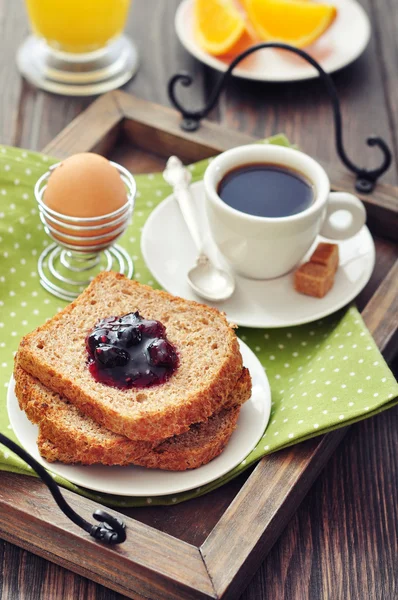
366	178
109	530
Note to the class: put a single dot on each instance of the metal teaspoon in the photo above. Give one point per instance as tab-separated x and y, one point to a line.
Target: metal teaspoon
207	280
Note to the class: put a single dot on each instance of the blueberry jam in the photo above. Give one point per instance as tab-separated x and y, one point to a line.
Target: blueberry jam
130	351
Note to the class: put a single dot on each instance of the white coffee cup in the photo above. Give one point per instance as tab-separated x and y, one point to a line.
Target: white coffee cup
265	247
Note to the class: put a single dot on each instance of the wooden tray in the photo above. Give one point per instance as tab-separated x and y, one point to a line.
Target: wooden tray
211	546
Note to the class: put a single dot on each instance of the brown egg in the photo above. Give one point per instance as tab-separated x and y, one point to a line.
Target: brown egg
85	185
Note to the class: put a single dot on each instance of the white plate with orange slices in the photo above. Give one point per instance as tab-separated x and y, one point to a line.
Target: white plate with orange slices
334	32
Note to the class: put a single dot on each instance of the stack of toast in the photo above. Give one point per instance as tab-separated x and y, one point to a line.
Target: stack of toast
180	424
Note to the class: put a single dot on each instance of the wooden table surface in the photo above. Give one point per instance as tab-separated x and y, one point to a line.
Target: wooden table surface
342	544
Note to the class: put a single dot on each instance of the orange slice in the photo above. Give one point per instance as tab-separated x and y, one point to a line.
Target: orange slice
218	25
295	22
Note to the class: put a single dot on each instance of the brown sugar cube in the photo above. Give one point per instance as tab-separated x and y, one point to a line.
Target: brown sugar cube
313	279
327	255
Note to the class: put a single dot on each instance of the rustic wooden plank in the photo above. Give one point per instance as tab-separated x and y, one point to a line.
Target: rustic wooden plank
152	126
385	23
151	25
341	542
150	564
13	29
44	116
37	578
253	522
30	117
194	520
386	255
381	313
94	130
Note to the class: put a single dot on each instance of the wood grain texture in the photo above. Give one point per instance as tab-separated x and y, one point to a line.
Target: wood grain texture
385	23
13	29
151	23
342	542
386	255
96	129
147	564
29	117
234	538
384	302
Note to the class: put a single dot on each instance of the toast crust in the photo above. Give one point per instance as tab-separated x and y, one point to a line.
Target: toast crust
78	437
210	360
190	450
71	430
196	447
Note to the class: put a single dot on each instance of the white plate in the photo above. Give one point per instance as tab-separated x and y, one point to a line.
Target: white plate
169	253
339	46
138	481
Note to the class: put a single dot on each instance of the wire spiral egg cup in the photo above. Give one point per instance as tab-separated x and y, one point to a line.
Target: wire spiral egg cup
68	265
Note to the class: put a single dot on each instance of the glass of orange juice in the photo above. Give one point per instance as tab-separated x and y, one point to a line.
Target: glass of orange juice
77	47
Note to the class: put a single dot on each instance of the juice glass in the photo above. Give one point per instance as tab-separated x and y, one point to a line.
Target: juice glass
77	46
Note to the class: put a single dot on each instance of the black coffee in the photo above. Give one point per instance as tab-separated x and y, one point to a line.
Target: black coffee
266	190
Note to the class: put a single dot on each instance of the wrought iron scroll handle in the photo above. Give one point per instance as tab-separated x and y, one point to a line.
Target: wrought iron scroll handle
366	178
109	530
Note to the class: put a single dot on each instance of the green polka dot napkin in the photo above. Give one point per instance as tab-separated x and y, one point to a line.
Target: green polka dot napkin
323	375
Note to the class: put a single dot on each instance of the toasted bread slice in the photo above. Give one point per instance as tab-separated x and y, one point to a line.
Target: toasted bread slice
210	362
73	431
189	450
196	447
77	435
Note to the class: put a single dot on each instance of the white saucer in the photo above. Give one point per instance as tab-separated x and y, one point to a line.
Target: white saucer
339	46
169	253
137	481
